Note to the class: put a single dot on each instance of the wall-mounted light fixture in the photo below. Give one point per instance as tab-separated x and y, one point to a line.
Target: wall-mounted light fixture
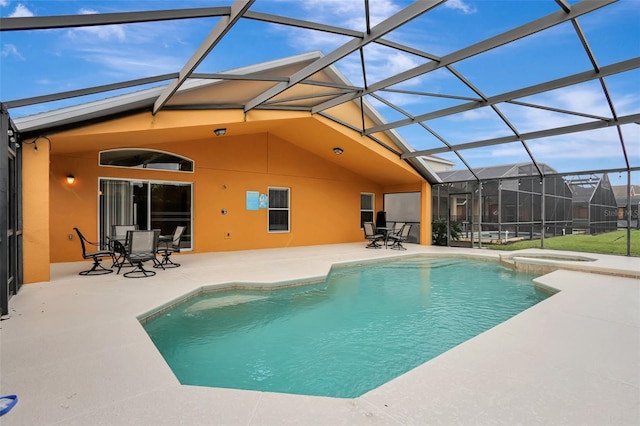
35	142
12	138
220	132
71	179
337	150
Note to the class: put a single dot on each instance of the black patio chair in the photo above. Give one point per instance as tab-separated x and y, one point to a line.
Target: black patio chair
140	247
96	256
119	254
399	238
119	232
394	230
117	242
168	245
372	235
397	227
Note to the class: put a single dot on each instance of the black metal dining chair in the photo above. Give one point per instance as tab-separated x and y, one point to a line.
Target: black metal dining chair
399	238
168	246
96	256
140	247
371	234
117	242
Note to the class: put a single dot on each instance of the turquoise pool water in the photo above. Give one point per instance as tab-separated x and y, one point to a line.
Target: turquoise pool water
363	327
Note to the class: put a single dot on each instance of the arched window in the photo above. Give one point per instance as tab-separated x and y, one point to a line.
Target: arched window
145	159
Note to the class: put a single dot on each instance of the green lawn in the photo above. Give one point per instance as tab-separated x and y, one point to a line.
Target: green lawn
607	243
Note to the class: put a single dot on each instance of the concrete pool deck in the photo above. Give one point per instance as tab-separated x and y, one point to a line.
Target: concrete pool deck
74	352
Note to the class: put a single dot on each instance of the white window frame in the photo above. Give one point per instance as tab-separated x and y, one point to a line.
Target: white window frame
287	209
373	206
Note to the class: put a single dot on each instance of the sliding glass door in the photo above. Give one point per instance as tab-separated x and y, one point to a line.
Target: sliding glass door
170	206
146	204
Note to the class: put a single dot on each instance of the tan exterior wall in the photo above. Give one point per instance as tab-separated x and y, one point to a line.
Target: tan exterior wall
325	198
261	149
36	225
426	213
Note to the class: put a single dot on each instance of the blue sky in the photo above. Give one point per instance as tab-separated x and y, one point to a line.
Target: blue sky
50	61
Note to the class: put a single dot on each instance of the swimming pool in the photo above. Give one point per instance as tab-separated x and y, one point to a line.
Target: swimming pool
361	328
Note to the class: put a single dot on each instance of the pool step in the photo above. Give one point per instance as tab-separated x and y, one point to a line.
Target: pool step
219	302
507	262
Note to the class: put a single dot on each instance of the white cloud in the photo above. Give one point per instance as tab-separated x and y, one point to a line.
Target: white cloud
402	100
587	99
101	32
4	3
475	114
393	61
10	50
460	5
130	62
380	62
582	99
348	13
595	149
20	11
306	40
45	82
124	52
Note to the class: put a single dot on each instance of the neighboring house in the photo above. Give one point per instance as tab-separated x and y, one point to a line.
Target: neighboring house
620	192
439	164
511	201
594	204
270	177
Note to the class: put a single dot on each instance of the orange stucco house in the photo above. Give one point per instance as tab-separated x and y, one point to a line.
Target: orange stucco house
283	149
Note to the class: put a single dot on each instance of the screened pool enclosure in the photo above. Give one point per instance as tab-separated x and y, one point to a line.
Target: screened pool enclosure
460	85
507	206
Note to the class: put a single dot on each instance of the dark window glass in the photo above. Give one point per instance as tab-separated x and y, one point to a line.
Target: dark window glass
147	205
365	217
145	159
366	208
171	207
278	198
278	220
366	201
278	209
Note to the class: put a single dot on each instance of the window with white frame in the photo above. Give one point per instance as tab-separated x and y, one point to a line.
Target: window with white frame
366	208
279	209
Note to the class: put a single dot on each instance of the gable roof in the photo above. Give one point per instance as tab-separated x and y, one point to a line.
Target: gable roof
222	94
584	188
196	93
621	190
495	172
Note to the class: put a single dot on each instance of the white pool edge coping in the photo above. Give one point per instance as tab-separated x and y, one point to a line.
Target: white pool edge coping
418	397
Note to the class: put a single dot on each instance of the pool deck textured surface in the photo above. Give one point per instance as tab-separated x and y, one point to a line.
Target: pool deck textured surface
74	352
